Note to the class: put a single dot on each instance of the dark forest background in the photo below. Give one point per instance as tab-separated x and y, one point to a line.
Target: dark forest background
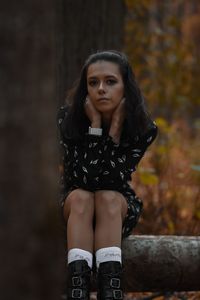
43	45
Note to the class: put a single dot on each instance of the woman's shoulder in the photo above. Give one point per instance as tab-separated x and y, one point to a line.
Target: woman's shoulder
150	134
62	112
146	136
61	119
151	129
67	128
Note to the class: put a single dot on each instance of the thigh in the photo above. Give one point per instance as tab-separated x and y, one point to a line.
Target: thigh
82	195
103	196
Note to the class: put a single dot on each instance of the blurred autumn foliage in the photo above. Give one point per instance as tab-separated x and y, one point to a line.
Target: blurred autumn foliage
162	41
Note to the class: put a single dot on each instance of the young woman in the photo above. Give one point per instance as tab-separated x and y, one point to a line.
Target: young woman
105	131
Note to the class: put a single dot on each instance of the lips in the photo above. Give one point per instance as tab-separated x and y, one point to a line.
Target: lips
103	99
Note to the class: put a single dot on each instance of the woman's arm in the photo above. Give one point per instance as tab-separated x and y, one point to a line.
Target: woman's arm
117	122
93	115
81	159
66	153
123	159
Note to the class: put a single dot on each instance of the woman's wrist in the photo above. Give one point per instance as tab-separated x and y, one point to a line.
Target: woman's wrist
95	128
96	124
115	138
95	131
114	130
115	133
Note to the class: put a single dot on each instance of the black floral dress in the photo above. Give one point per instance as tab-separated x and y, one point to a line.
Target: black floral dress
98	163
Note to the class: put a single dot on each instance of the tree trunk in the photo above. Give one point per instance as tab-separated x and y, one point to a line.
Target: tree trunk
86	26
39	40
30	247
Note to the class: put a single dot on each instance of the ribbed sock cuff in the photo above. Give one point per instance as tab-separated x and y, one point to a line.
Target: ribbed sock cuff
77	254
108	254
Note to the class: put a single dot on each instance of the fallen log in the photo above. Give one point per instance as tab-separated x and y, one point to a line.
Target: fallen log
161	263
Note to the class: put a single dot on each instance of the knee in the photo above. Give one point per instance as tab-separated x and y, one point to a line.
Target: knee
81	203
107	204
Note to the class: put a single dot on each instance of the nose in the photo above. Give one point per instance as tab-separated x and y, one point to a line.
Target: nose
101	87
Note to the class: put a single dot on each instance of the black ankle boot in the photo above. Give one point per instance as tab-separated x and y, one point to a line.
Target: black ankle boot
109	279
78	280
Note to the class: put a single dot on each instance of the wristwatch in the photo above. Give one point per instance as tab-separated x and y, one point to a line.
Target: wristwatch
95	131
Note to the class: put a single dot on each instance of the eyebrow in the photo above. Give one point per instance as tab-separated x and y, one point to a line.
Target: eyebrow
107	76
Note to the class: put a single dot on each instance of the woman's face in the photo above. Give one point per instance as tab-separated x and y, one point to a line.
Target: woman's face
105	86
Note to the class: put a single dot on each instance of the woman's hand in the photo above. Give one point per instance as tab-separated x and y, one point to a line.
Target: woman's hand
92	113
117	121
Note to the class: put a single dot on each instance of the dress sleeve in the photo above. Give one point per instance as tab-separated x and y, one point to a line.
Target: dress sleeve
66	162
123	160
90	156
81	159
139	147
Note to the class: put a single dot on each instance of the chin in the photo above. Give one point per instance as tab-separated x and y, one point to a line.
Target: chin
105	110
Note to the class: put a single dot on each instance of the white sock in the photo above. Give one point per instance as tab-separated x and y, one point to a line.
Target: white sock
77	254
108	254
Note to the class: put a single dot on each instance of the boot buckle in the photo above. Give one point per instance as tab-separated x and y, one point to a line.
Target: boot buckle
115	282
77	281
117	294
77	293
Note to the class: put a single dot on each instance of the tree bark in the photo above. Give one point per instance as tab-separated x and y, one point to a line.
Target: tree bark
30	247
161	263
85	27
40	41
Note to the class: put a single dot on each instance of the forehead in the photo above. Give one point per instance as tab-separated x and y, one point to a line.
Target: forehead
103	68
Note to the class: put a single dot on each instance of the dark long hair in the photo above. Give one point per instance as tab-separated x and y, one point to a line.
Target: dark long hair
137	119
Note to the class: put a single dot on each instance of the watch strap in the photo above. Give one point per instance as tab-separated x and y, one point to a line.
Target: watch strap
95	131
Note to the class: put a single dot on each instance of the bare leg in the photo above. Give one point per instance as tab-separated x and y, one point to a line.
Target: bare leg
78	214
110	210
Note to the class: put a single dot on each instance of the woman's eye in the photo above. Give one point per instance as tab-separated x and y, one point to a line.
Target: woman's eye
108	81
111	81
92	83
